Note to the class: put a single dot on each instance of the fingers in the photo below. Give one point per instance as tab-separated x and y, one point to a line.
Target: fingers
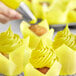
3	19
8	13
12	14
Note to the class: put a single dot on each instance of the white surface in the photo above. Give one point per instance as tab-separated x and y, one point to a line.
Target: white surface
15	27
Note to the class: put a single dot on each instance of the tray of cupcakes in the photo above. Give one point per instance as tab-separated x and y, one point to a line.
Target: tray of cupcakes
37	54
62	51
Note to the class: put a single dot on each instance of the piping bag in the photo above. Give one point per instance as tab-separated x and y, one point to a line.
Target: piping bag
22	8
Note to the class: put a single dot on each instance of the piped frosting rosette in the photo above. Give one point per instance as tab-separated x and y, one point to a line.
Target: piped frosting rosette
34	39
43	56
65	37
65	47
12	50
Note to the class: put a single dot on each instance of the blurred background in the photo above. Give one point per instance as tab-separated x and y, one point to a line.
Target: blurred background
57	13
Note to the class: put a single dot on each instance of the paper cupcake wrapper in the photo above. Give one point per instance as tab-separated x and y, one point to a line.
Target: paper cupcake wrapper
38	8
60	17
34	39
15	64
56	13
31	71
67	58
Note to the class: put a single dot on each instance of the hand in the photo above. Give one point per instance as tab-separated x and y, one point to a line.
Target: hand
7	14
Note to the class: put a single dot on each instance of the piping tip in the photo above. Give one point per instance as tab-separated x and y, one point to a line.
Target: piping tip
26	12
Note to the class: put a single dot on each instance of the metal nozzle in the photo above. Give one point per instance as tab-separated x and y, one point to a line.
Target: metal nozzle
27	14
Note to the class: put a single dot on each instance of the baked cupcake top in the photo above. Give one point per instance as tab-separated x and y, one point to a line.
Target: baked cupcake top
65	37
10	41
38	30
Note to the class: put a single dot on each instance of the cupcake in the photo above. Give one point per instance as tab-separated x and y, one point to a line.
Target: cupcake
65	48
40	6
71	17
43	61
57	13
36	32
54	11
65	37
12	50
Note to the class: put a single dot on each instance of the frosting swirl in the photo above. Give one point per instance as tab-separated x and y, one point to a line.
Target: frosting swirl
9	41
42	58
65	37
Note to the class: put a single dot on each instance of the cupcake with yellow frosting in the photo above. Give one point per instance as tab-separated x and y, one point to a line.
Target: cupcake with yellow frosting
43	61
54	11
65	37
71	17
65	48
36	32
12	50
57	12
40	6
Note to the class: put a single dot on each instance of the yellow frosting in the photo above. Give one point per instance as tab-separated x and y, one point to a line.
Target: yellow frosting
9	41
65	37
14	4
44	57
